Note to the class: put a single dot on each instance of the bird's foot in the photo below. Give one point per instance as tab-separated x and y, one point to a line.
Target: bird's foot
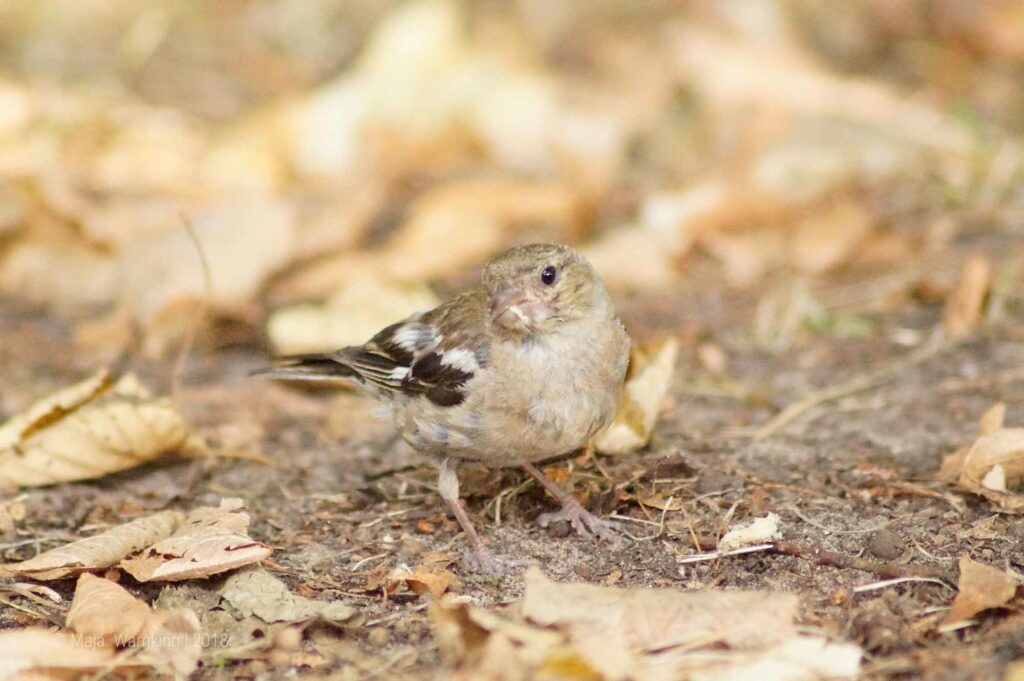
482	559
583	521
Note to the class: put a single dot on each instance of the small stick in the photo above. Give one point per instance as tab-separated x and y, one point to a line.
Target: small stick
193	328
833	559
854	385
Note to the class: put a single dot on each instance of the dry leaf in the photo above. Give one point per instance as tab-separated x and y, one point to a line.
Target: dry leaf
660	618
980	587
87	430
965	304
828	237
584	631
64	276
994	468
735	70
992	419
255	592
209	541
757	531
106	612
430	576
651	373
243	238
97	552
37	653
635	258
361	308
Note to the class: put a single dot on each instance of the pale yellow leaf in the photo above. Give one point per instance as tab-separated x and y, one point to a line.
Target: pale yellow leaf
108	616
105	611
209	541
660	618
42	652
992	419
646	387
88	430
97	552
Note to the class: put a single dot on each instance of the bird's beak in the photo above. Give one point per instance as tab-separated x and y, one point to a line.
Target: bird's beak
508	308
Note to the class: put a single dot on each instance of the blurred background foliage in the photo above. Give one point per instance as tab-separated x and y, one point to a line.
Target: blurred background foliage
352	159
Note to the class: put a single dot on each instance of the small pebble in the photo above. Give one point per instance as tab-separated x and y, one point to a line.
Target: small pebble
886	545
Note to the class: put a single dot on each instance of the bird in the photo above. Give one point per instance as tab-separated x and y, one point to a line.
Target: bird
525	366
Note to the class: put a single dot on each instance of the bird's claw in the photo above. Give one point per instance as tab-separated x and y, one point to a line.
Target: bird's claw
585	523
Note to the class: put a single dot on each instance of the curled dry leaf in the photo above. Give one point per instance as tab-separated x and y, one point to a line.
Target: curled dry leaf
994	468
106	615
90	429
980	587
106	612
100	551
651	370
354	314
255	592
209	541
42	654
965	304
430	576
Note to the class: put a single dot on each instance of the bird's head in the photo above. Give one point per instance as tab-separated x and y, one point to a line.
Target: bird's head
533	289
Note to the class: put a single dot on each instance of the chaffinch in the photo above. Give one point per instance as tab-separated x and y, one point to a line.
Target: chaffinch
525	366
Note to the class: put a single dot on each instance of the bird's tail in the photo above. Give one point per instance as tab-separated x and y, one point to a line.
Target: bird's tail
308	368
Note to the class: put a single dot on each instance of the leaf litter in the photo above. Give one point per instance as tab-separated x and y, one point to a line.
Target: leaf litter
87	430
591	632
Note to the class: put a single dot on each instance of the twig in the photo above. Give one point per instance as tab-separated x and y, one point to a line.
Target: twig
193	328
1001	377
854	385
714	555
899	580
833	559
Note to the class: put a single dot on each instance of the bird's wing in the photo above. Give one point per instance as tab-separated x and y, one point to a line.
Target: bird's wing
433	355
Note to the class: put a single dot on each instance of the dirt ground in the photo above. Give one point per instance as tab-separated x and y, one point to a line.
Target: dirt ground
851	476
792	189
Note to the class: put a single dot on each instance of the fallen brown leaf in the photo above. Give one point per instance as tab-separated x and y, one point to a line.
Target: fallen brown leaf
209	541
97	552
90	429
430	576
651	370
994	468
965	304
980	587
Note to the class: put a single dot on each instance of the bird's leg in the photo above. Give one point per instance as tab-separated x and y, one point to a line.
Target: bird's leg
448	488
583	521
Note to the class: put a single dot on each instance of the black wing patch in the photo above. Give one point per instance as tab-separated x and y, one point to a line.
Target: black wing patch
430	355
437	380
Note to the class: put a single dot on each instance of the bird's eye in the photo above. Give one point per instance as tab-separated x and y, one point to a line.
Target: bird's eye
548	275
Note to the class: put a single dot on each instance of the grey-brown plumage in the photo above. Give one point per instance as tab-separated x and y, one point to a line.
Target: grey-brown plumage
525	366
